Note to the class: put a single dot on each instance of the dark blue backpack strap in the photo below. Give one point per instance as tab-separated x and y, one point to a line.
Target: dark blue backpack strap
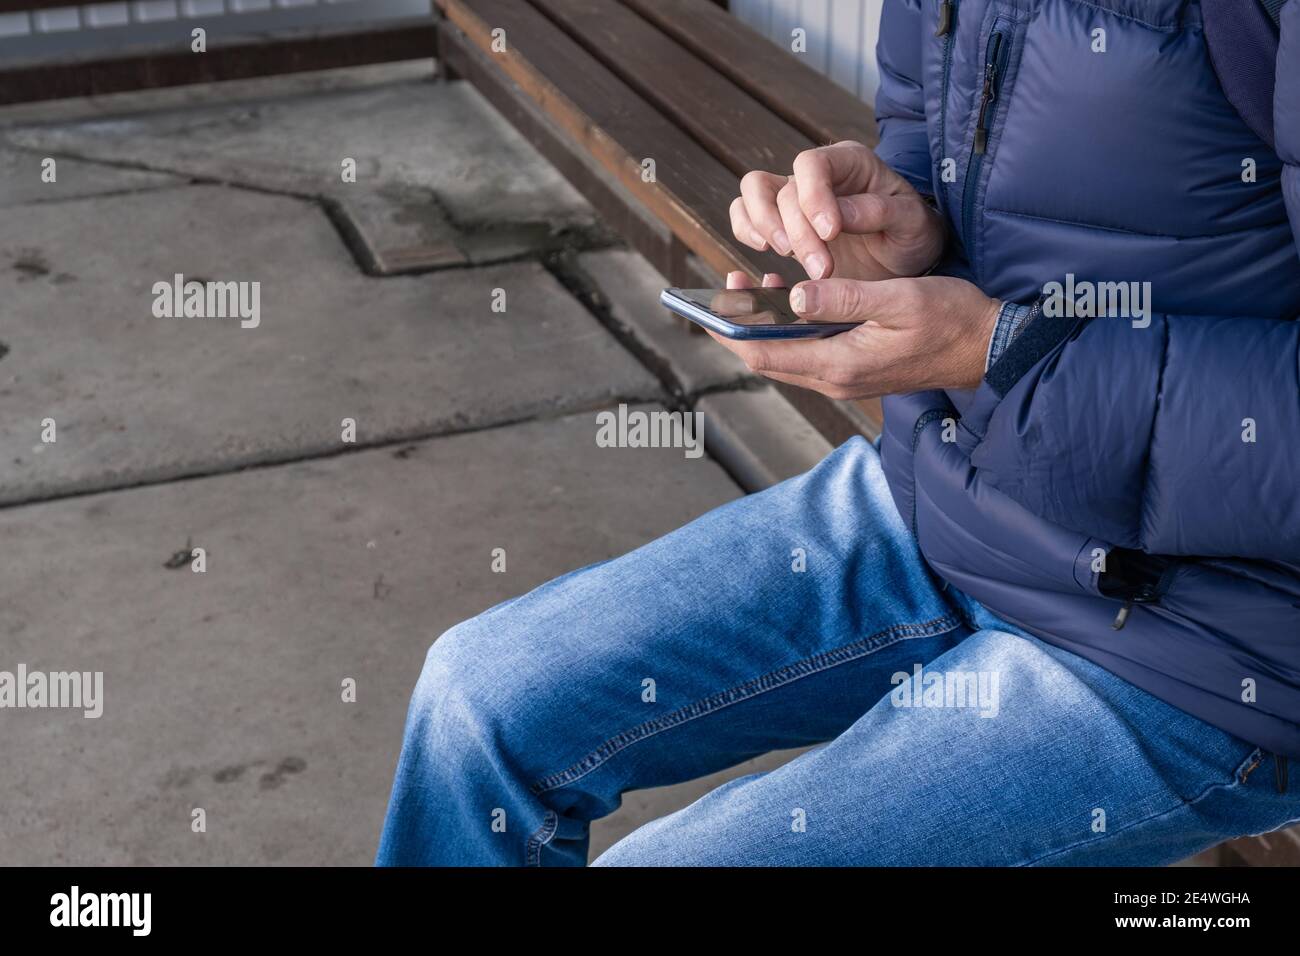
1242	37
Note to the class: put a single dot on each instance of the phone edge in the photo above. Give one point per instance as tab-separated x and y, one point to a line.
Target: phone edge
701	316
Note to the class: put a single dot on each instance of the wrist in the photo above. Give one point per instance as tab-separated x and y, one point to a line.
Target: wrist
1011	320
970	364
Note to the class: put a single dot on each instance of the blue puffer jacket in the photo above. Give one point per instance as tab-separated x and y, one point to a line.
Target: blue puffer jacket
1109	439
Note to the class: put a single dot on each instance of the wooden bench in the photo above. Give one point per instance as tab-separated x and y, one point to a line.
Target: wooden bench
654	109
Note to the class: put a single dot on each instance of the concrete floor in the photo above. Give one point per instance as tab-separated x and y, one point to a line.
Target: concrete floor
327	559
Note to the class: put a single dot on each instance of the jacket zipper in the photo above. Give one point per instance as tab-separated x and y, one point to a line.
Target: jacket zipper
994	61
946	29
1149	593
946	9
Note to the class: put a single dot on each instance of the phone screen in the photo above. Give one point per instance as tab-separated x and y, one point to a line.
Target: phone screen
747	306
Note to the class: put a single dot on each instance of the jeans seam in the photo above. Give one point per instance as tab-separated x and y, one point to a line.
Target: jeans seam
541	837
746	691
1233	784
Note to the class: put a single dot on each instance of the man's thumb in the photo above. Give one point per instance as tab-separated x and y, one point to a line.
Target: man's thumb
835	300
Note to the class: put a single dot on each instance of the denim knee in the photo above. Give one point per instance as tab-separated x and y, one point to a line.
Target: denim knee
451	706
475	695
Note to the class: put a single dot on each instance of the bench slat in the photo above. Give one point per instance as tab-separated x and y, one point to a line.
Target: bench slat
691	191
602	116
619	209
821	109
732	125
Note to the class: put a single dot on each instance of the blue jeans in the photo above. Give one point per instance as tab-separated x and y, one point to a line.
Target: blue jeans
801	615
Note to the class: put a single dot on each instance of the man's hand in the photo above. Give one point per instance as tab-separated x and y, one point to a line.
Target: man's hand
919	334
843	213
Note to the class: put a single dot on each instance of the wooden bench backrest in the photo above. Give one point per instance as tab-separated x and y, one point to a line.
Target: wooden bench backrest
682	83
679	82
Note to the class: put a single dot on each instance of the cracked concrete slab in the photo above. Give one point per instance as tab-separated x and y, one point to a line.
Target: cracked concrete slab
441	137
138	398
22	178
760	437
631	286
396	230
223	690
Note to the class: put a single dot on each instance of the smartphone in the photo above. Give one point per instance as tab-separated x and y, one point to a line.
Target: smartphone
748	313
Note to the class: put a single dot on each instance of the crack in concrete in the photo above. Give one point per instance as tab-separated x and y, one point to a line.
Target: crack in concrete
562	265
398	440
576	281
581	286
574	236
556	256
124	191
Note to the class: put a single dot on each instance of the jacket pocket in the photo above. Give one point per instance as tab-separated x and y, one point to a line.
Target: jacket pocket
1135	578
967	528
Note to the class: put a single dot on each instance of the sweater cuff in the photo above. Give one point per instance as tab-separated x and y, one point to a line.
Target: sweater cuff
1012	320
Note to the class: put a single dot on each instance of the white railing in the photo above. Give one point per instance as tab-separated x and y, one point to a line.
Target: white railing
109	27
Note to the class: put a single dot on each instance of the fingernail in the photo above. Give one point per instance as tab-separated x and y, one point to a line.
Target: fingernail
781	242
817	265
806	298
823	224
733	277
771	279
757	240
811	299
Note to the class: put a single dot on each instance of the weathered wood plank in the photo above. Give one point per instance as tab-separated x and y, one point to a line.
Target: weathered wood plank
619	209
690	191
576	111
821	109
733	126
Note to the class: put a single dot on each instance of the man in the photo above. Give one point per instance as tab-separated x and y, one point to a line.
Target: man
1055	618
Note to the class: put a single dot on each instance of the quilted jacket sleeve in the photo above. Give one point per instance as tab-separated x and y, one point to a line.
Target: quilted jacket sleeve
900	100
